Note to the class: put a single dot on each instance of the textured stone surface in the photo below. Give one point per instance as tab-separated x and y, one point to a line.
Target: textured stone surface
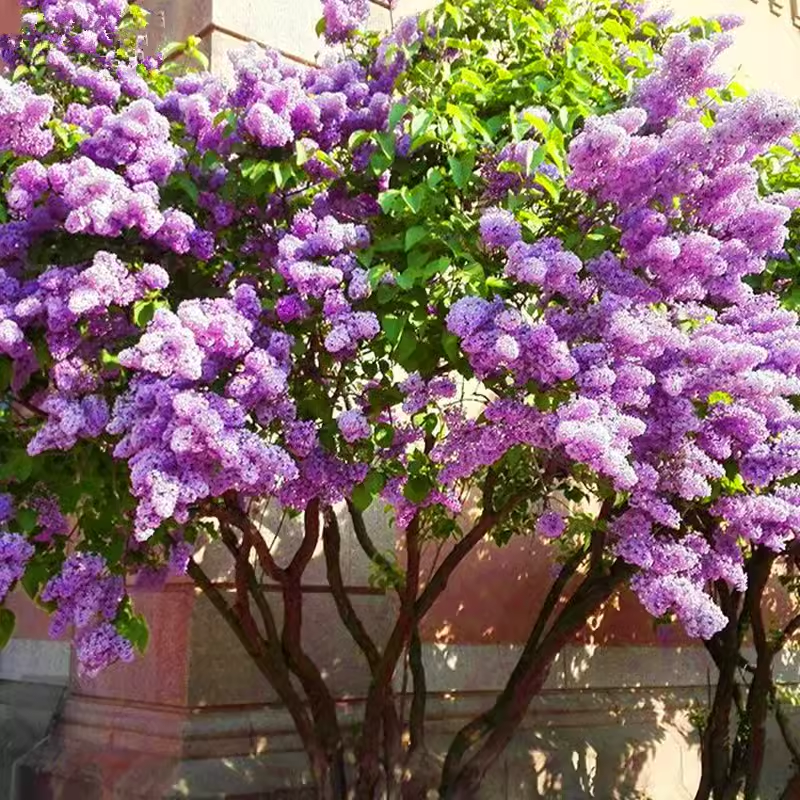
219	675
35	660
453	668
161	675
606	744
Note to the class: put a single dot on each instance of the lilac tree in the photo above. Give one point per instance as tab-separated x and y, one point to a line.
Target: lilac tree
503	256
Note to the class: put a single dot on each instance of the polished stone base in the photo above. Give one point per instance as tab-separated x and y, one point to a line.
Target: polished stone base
599	743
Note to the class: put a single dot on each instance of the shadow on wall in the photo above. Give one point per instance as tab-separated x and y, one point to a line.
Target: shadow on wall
611	757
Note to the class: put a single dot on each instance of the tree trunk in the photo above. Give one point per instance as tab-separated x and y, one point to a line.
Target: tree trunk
493	731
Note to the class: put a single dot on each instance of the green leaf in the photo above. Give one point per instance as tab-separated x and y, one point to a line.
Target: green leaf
406	347
617	30
384	435
418	488
387	143
302	153
315	407
535	158
184	182
27	519
253	171
319	28
436	267
719	397
380	399
389	200
17	466
109	359
393	327
172	49
434	178
36	574
361	497
414	235
8	622
365	492
414	198
145	310
548	185
397	113
199	56
283	174
420	123
451	345
6	373
132	626
461	169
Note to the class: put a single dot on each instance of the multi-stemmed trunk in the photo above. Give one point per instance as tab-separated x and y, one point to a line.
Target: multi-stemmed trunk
732	756
390	746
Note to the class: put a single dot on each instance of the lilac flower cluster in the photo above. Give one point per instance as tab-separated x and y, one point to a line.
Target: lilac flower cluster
420	393
15	552
678	368
59	301
343	18
316	255
323	476
22	117
472	444
80	25
88	198
281	102
99	647
184	442
69	420
685	70
405	510
87	598
137	138
353	425
49	517
497	338
704	175
673	574
550	525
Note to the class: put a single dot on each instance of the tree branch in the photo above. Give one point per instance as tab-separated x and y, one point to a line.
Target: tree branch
305	552
379	688
323	706
789	630
332	542
438	581
503	719
233	515
364	540
416	725
256	590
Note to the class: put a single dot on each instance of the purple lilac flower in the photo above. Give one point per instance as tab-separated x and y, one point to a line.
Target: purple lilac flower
353	425
550	525
15	552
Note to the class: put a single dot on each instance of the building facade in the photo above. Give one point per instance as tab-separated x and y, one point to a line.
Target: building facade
193	719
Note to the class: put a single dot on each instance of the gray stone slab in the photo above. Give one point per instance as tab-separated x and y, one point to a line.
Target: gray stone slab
35	660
